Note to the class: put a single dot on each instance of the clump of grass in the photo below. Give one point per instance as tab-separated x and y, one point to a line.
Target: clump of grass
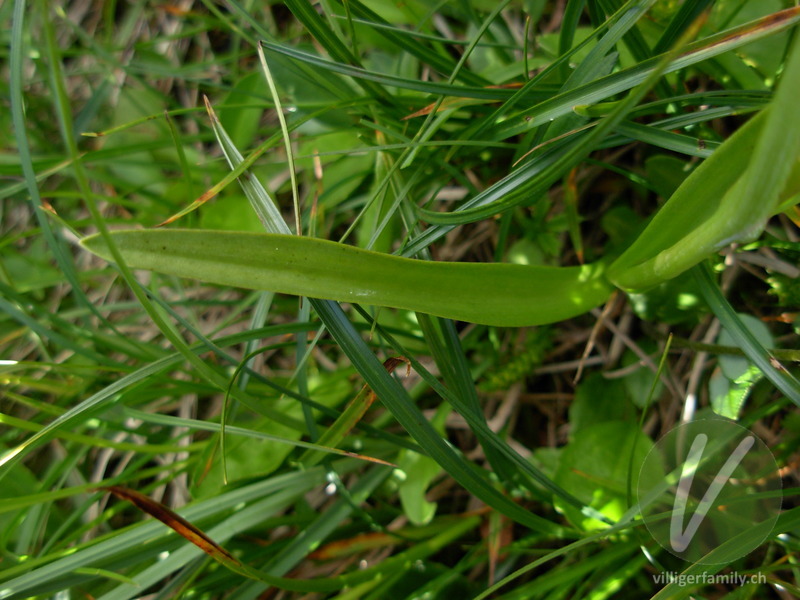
269	432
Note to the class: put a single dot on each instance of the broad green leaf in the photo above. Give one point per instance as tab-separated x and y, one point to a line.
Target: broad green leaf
728	395
726	199
734	367
494	294
248	457
594	468
419	472
599	400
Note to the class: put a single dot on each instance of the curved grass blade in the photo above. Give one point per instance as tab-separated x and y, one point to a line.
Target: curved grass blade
683	18
669	140
328	521
622	525
352	414
196	536
308	16
441	62
574	153
601	89
427	87
107	395
141	543
446	348
494	294
240	169
535	480
399	403
598	91
772	369
260	199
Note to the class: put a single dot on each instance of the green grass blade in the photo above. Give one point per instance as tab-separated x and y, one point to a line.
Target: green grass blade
54	241
308	16
443	63
601	89
352	414
396	399
772	369
569	24
101	399
273	494
325	524
446	347
287	141
573	154
683	18
594	92
216	347
668	140
478	424
260	200
427	87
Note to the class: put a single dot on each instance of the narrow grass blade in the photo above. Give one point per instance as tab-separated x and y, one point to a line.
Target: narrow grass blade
683	17
352	414
602	89
445	345
441	62
397	400
104	397
668	140
574	152
563	551
769	365
428	87
478	424
260	200
308	16
242	165
287	142
175	522
267	496
327	522
185	528
52	237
